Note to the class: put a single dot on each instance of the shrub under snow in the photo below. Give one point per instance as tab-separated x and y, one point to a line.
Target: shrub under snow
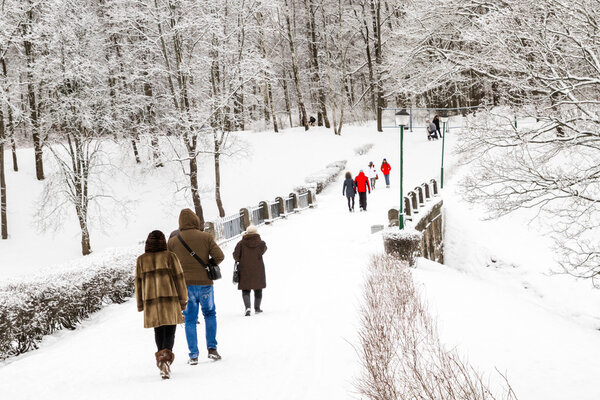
40	306
320	179
401	354
364	149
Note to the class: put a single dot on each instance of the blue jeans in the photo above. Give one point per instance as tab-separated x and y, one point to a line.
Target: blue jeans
387	180
204	296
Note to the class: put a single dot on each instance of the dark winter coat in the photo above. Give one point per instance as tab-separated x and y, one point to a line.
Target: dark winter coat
160	289
385	168
436	122
248	252
349	188
362	183
202	243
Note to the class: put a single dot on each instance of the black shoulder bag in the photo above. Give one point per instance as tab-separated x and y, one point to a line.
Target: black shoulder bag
212	269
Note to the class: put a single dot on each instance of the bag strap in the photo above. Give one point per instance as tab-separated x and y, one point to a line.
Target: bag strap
192	253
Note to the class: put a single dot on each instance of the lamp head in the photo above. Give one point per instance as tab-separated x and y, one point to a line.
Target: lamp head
402	118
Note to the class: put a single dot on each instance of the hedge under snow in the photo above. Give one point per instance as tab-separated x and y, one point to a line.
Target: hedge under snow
33	308
320	179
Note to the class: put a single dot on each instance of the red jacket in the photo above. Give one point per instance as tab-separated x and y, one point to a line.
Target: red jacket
385	168
362	183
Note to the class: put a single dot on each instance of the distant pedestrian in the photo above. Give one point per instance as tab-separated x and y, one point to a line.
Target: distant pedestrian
385	169
430	129
436	122
371	174
349	189
249	254
200	288
161	294
362	185
312	121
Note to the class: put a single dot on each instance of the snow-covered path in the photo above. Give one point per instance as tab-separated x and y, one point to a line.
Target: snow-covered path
301	347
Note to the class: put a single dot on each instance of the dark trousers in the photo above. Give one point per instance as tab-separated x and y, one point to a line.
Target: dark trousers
362	200
350	207
164	336
257	298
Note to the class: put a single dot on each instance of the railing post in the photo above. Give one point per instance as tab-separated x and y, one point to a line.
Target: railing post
427	192
434	186
407	208
265	207
295	197
419	191
245	213
414	201
281	205
312	200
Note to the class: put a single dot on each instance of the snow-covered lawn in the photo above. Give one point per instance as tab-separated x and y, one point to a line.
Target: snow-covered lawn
537	328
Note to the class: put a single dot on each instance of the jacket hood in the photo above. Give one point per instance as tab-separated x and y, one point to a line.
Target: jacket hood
361	174
188	220
251	240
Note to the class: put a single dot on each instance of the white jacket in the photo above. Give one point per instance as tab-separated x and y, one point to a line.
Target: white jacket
371	172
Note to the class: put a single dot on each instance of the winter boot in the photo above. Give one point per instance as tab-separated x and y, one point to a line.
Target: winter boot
248	312
164	359
213	354
193	361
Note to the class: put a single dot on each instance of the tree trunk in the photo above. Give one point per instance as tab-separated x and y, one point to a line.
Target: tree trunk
376	17
135	151
194	186
296	75
3	221
313	54
33	107
270	92
11	124
86	248
218	181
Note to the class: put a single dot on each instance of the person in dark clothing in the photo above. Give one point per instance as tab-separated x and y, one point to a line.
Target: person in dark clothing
248	253
362	184
349	190
312	121
436	122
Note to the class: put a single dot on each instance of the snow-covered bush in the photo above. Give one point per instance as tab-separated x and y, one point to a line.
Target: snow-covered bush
40	306
320	179
404	244
364	149
401	353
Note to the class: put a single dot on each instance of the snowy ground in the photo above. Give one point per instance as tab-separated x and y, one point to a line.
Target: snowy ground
539	329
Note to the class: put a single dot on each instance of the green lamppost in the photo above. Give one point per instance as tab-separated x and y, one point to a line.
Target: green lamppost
444	120
402	119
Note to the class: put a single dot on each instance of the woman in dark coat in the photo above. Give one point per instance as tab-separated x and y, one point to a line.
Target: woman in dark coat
248	253
436	122
349	190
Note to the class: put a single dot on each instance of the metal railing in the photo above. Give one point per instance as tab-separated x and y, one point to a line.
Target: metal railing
230	226
418	197
303	200
289	204
275	211
257	215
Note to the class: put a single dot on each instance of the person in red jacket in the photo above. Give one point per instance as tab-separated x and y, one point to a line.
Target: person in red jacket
362	184
385	168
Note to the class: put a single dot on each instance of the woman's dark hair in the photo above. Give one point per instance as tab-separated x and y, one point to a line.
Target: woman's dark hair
348	175
156	242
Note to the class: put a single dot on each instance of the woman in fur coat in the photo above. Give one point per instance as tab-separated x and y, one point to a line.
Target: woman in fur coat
161	294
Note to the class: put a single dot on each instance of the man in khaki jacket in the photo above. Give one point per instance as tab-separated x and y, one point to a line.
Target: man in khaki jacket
199	287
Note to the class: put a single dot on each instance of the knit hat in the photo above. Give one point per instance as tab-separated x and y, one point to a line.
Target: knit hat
252	229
